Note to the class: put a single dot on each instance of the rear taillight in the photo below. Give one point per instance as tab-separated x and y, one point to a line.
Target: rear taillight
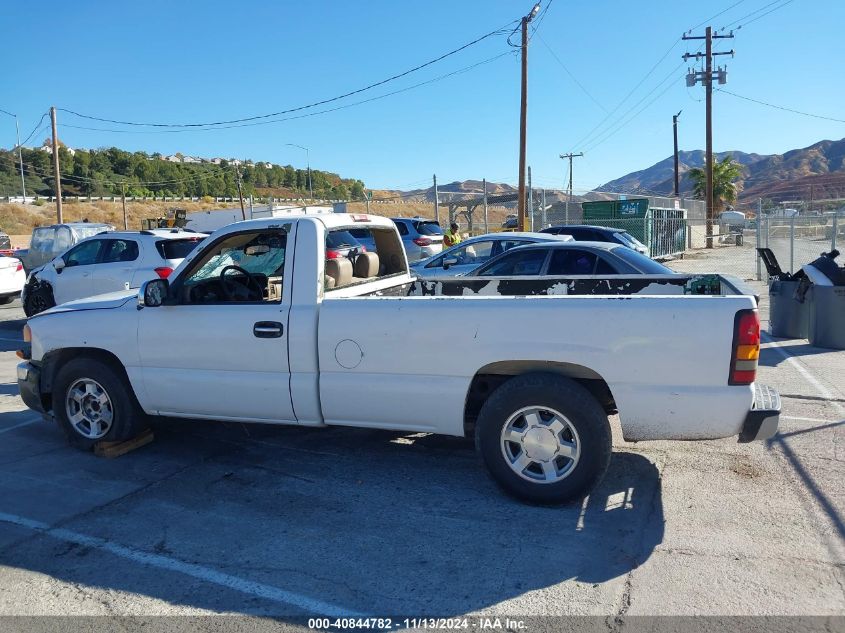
19	267
422	241
331	254
163	272
746	348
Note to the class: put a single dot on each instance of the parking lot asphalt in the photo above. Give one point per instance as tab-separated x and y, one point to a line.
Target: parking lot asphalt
268	521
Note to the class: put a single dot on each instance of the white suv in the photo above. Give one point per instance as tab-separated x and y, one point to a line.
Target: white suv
105	263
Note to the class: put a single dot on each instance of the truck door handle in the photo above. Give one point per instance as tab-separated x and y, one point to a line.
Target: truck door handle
268	329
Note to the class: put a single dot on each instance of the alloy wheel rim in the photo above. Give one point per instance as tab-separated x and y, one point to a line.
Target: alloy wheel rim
89	408
540	445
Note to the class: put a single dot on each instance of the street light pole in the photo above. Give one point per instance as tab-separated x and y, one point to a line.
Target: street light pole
20	151
308	166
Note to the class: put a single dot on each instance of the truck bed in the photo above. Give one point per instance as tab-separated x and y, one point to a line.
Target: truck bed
702	284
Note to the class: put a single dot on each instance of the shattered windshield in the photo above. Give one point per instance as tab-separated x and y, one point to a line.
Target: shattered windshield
257	254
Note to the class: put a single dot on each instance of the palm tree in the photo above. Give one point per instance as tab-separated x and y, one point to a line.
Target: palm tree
725	172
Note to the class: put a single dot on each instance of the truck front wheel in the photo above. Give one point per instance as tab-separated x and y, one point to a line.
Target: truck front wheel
93	402
544	438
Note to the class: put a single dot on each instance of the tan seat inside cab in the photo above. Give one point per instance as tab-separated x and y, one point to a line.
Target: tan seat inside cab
366	265
342	272
338	273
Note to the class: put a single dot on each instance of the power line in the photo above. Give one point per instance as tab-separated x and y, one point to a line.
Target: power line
302	107
753	13
573	77
622	122
764	14
628	96
35	131
777	107
713	17
300	116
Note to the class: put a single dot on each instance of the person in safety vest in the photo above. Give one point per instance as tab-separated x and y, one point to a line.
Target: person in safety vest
451	237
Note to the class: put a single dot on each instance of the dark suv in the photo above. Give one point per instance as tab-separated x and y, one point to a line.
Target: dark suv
588	233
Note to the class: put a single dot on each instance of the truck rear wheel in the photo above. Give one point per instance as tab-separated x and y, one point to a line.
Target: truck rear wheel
544	438
93	402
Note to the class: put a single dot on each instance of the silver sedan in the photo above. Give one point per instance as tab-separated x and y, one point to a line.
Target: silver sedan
472	253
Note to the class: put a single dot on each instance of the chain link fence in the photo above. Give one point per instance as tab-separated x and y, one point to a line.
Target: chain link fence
794	241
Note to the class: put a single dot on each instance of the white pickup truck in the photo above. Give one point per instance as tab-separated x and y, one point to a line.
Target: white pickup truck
256	325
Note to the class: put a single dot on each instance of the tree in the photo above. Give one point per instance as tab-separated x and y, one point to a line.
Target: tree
725	172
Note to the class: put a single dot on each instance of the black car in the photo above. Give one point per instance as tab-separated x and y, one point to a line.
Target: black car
588	233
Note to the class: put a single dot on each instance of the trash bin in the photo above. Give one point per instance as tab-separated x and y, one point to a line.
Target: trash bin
789	317
789	312
827	317
827	302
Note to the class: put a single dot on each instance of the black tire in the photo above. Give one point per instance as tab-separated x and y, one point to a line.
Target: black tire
38	301
7	300
581	410
127	417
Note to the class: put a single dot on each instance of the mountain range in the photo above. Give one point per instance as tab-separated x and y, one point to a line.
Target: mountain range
812	173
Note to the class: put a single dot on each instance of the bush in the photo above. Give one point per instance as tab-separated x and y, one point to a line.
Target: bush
39	202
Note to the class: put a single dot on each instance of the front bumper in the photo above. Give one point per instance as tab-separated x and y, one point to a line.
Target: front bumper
29	384
761	423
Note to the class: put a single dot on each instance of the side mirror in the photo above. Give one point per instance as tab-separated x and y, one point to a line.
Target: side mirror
59	264
153	293
449	262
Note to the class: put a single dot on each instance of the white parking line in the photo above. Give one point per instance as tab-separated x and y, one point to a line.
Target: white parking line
819	420
257	589
824	392
19	425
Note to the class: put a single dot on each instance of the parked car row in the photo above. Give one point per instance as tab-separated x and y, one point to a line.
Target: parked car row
76	260
545	253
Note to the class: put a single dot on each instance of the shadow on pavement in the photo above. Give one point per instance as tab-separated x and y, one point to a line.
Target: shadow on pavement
372	521
827	505
797	347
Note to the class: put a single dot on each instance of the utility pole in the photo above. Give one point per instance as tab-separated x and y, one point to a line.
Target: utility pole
436	201
675	134
706	77
123	200
530	202
523	116
569	156
20	151
56	173
240	192
486	225
367	197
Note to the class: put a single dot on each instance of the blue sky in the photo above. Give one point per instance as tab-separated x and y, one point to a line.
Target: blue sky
182	62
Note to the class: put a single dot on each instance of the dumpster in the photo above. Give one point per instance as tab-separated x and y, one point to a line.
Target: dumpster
827	302
789	310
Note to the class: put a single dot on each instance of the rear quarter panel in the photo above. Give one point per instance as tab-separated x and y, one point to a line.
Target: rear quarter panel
666	359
